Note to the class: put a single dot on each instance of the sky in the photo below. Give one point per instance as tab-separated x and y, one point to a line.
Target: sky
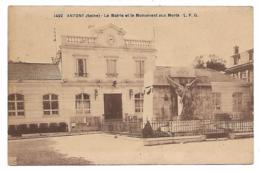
215	30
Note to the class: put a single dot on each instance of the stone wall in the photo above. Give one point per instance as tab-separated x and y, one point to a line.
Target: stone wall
164	103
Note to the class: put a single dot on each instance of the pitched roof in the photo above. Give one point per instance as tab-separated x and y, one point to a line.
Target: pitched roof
33	71
205	75
216	76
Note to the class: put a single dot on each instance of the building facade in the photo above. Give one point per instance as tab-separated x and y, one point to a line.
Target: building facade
100	77
242	66
214	94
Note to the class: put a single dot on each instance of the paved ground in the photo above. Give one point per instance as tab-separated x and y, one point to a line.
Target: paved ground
39	152
105	149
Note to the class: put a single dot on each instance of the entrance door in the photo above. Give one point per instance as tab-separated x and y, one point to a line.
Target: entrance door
113	106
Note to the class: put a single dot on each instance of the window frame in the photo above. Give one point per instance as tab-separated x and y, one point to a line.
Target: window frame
140	101
85	66
237	101
52	111
216	101
83	110
15	103
139	68
114	71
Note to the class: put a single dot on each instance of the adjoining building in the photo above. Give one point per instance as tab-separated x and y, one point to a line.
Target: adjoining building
242	66
98	78
214	94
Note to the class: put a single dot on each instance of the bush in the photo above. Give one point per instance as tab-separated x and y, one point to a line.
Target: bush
53	127
11	130
43	128
148	130
22	129
33	128
63	127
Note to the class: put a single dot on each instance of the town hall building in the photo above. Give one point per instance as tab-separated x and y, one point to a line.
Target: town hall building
97	78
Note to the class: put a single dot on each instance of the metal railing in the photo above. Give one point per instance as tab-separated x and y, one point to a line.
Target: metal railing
133	128
136	127
203	126
179	127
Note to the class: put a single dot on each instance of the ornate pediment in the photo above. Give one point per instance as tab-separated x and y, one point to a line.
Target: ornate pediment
110	36
119	30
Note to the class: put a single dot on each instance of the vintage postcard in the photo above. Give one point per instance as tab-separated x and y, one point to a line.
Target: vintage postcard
130	85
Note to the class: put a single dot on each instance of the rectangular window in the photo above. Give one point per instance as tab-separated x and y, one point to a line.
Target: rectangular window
50	104
204	96
81	68
237	101
82	104
216	101
139	68
111	67
139	100
15	105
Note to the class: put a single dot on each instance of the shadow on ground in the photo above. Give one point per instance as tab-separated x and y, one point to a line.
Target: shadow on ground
39	152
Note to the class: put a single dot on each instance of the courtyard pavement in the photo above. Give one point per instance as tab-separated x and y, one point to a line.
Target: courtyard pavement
108	149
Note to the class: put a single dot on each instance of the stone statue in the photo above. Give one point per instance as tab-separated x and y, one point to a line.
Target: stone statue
185	93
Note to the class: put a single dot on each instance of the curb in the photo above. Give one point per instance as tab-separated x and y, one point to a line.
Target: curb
188	139
173	140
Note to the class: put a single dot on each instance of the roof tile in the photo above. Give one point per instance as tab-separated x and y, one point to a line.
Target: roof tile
33	71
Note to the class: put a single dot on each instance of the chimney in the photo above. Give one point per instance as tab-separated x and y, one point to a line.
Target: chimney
236	55
236	50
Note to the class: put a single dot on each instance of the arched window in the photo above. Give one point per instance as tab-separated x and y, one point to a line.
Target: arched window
82	103
50	104
15	105
139	100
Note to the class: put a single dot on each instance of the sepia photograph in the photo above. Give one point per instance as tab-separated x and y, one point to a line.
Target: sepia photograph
125	85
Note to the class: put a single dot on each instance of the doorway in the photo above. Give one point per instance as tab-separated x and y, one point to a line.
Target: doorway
113	106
